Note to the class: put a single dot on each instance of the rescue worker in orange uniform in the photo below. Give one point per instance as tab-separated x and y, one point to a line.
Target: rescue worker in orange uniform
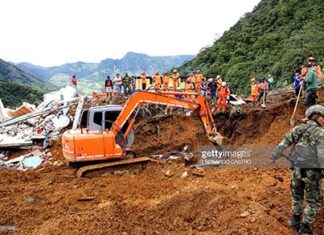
165	80
189	88
316	67
199	77
219	81
223	93
157	81
175	79
254	91
143	80
192	79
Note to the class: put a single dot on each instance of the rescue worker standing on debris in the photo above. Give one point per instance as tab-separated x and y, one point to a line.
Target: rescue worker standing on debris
191	79
165	80
307	158
175	79
189	88
198	78
254	91
223	93
157	81
143	81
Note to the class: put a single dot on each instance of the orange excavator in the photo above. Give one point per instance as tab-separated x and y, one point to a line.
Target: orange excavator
109	129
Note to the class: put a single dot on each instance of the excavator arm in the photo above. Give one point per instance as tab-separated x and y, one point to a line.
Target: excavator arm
144	97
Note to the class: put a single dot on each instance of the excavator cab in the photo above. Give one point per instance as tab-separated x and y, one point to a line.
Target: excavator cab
92	140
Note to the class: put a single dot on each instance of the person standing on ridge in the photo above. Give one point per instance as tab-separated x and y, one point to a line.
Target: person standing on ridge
191	79
307	159
212	85
311	84
175	79
204	87
198	78
270	81
157	81
254	91
74	83
165	80
109	87
223	93
127	84
119	83
143	80
297	82
264	88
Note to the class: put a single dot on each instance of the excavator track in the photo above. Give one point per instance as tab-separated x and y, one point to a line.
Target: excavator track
142	160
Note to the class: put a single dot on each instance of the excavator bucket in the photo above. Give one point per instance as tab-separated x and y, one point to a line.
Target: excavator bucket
217	138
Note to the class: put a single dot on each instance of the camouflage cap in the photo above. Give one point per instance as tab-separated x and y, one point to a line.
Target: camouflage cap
315	109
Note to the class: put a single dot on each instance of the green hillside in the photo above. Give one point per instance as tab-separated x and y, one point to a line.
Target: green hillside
17	86
272	39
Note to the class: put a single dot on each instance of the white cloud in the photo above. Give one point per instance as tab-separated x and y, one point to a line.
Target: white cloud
52	32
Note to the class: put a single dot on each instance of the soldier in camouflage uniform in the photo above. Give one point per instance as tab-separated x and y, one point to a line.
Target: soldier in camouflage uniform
307	158
127	84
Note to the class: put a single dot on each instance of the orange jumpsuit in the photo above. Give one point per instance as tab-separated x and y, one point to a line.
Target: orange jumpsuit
304	72
199	78
318	71
157	82
165	80
221	103
189	88
254	92
175	80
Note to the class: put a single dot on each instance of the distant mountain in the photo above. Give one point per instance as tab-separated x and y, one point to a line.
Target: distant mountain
17	86
92	75
273	39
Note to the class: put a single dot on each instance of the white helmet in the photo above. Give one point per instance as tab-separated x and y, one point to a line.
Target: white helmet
223	83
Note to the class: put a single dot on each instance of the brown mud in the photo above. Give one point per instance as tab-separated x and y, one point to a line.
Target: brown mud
158	200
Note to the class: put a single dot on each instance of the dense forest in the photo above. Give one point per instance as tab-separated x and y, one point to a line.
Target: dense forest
273	39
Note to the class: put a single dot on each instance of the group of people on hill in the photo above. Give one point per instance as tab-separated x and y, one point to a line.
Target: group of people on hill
260	89
125	84
306	81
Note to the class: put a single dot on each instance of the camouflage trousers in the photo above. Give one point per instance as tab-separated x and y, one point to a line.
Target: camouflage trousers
306	185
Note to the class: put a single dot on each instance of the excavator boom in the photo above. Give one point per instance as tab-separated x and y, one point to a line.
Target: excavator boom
165	98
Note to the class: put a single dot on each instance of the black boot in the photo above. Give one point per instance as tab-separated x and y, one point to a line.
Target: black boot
305	229
295	223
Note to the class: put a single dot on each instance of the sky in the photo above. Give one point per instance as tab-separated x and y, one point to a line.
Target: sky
54	32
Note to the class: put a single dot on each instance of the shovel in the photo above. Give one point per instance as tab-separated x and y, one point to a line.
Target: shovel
263	105
292	123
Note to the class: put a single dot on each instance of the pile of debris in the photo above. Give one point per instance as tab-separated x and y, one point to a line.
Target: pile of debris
28	125
27	161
